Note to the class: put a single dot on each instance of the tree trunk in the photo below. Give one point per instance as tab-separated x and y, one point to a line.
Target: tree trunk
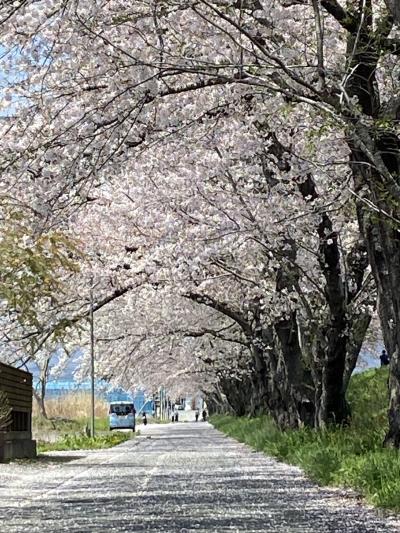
216	403
384	251
282	401
394	7
357	336
237	393
40	402
259	387
336	407
377	180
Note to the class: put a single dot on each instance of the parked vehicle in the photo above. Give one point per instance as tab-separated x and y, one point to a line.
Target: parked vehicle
122	415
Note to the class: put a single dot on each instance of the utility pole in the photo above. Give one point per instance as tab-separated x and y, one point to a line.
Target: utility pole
161	404
91	320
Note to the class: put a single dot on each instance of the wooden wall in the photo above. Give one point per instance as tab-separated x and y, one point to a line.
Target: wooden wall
17	384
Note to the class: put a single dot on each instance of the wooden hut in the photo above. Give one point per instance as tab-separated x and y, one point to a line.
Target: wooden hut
16	438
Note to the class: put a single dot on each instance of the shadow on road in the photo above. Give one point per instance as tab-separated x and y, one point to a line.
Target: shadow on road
184	479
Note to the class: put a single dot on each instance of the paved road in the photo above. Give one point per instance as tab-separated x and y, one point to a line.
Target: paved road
185	478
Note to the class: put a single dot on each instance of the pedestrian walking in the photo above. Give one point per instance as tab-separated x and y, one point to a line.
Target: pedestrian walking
204	415
384	357
196	415
144	419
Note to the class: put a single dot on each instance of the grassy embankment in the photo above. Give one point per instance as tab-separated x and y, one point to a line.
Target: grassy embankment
351	457
65	428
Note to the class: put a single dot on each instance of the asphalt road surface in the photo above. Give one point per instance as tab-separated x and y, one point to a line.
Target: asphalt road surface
183	477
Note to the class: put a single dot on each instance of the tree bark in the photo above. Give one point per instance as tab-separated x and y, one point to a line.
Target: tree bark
394	8
356	339
41	403
376	179
384	251
237	393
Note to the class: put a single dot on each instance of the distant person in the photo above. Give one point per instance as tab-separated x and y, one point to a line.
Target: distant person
176	416
196	415
144	419
384	358
204	415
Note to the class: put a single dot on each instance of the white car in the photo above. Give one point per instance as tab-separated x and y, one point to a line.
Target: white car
122	415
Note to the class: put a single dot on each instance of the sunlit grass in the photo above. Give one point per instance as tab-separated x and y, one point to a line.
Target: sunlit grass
351	457
82	442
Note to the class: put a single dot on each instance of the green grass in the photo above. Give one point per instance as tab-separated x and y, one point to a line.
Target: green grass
64	425
82	442
71	434
351	457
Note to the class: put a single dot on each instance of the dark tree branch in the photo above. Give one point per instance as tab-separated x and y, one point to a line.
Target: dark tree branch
221	308
333	7
344	18
214	333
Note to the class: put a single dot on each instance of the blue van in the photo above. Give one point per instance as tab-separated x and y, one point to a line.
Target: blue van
121	415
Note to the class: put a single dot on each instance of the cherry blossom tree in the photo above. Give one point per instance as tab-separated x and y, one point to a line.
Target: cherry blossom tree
236	158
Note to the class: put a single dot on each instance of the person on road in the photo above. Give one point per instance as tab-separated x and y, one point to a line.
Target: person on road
196	415
144	419
204	415
384	357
